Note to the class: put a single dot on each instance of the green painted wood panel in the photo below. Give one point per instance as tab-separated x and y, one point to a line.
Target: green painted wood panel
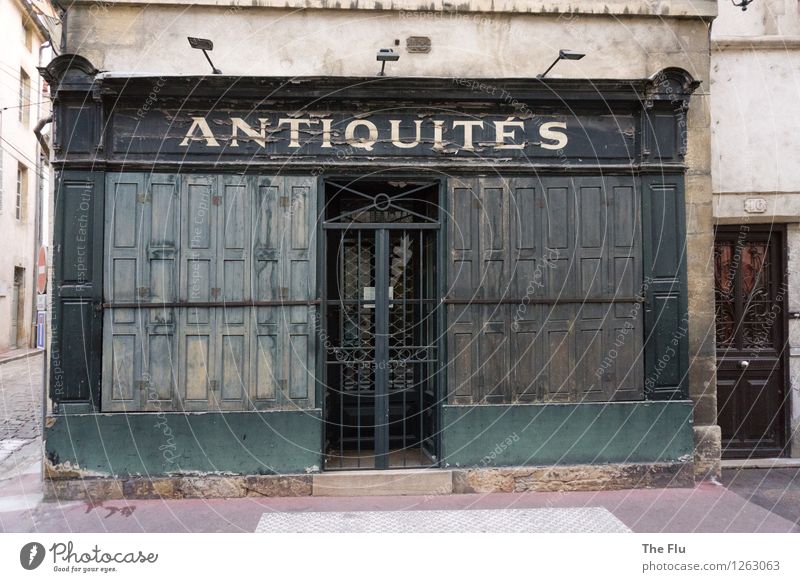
76	339
666	313
563	434
249	443
223	239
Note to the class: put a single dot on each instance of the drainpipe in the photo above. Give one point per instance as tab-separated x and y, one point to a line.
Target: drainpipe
62	14
37	131
43	149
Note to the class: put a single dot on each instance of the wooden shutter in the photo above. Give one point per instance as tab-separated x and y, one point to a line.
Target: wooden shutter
515	244
76	343
209	239
666	317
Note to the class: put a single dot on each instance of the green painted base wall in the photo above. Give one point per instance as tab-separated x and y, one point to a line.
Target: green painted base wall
566	434
123	444
277	442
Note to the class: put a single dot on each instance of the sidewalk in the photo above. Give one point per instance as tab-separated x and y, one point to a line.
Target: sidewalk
708	507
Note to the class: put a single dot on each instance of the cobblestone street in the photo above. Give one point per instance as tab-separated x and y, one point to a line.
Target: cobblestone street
20	405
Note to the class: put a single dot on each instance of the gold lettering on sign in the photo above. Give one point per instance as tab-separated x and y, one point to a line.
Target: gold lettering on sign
438	129
200	123
509	133
294	128
365	143
546	132
502	134
326	133
258	135
468	125
395	125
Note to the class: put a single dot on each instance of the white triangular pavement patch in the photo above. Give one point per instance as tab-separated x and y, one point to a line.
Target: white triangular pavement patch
540	520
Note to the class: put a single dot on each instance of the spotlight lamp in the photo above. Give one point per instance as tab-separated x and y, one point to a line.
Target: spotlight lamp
563	55
743	4
204	45
386	54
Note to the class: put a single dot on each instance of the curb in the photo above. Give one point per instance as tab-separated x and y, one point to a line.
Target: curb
14	358
778	463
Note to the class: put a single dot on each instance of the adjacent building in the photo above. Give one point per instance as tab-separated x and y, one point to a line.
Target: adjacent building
23	174
296	266
756	180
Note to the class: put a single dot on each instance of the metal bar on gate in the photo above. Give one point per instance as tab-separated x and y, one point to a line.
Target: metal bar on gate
380	225
198	304
543	301
342	289
381	349
359	343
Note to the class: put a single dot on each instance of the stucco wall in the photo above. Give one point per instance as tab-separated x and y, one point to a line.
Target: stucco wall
253	41
18	146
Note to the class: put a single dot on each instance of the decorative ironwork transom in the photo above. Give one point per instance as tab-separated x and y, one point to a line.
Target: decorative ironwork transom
381	202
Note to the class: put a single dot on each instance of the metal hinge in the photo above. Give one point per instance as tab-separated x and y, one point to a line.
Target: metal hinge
142	384
283	292
142	198
216	200
284	202
215	292
214	385
143	291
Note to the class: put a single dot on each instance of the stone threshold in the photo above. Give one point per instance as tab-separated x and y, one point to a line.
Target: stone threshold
371	483
771	463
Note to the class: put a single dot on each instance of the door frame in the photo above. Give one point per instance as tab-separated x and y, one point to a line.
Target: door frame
783	350
440	385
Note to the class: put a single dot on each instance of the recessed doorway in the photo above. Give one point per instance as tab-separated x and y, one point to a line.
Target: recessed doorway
381	311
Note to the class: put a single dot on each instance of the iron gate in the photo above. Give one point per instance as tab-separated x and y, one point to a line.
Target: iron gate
381	310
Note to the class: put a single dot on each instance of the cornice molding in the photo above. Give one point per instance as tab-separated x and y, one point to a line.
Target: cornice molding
766	42
706	9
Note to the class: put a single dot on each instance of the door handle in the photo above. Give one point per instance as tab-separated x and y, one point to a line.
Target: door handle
743	364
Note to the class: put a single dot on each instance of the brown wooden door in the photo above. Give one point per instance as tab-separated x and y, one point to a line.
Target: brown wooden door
750	329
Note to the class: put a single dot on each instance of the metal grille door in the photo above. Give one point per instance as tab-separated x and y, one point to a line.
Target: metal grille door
381	342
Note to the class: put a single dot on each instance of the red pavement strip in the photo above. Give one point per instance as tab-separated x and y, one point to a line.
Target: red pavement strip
706	508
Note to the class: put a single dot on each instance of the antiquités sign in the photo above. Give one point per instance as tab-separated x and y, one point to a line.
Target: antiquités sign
252	134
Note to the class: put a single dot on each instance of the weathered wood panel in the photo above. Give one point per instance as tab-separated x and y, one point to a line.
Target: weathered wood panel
225	240
545	256
666	315
76	341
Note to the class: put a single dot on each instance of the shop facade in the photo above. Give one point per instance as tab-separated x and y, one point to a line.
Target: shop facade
274	276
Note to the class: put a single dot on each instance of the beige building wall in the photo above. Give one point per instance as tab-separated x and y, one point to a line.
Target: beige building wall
18	149
483	38
755	85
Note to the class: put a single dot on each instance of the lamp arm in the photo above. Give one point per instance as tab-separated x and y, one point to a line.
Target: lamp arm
541	76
